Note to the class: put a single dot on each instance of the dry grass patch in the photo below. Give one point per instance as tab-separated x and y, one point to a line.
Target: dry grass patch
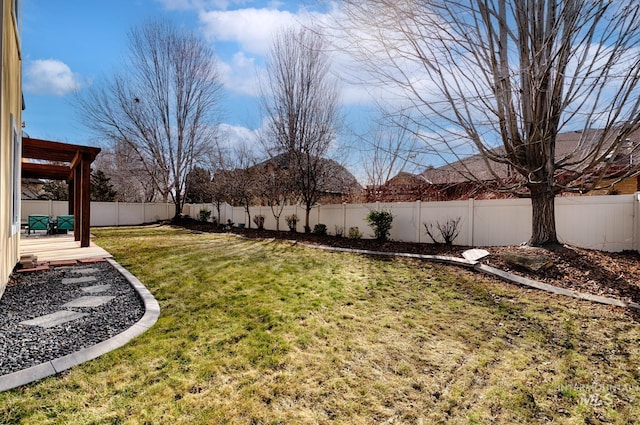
269	333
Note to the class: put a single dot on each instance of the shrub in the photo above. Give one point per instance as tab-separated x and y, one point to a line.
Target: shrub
292	222
354	233
449	231
204	214
320	229
380	222
339	231
259	221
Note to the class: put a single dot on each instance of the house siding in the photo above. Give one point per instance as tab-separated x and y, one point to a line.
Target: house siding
10	121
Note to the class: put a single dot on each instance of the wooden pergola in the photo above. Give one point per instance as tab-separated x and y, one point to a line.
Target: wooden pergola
71	163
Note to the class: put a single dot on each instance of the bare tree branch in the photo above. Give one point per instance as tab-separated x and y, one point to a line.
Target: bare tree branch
162	106
300	101
503	78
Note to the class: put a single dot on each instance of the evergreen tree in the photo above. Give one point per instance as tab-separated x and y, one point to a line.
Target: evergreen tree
101	188
198	185
55	190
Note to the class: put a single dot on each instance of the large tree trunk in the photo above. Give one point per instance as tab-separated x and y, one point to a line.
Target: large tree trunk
543	223
178	203
307	228
246	208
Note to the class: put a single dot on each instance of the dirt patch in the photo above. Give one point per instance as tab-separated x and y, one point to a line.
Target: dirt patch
615	275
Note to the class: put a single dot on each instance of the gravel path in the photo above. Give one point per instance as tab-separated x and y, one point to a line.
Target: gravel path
31	295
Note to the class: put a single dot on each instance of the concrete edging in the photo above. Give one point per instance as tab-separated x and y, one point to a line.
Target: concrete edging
52	367
492	271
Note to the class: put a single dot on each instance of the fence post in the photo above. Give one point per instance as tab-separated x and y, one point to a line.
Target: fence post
344	218
636	218
470	221
50	207
418	218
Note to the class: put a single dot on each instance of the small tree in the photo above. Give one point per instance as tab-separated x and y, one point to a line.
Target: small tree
449	231
300	100
259	221
380	221
292	222
242	187
276	189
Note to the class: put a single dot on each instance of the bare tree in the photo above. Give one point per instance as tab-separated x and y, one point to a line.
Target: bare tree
128	177
220	183
242	186
503	78
162	106
276	188
391	149
300	100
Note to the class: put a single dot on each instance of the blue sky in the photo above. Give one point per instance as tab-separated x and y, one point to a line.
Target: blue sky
69	45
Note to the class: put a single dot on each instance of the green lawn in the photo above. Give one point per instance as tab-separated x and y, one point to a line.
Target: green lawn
265	332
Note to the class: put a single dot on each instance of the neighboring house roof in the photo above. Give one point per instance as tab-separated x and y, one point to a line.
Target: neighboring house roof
573	146
473	176
335	179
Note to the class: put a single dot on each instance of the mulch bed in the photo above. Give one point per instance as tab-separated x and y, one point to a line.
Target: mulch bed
608	274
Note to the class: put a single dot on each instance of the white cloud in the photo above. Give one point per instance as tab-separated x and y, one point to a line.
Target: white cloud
235	136
251	28
240	74
248	32
51	77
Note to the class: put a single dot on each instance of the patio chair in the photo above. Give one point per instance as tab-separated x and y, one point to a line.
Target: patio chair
38	222
65	222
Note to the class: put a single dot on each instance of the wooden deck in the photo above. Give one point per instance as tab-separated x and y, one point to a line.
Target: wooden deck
58	248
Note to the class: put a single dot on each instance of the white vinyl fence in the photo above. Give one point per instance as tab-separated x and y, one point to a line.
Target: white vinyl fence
609	223
104	213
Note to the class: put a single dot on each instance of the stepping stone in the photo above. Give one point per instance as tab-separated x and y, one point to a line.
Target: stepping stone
475	254
85	270
89	301
54	319
96	288
82	279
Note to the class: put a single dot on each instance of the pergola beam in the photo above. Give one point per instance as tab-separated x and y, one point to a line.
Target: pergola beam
44	171
77	173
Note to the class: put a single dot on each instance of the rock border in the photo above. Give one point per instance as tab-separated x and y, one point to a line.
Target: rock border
53	367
